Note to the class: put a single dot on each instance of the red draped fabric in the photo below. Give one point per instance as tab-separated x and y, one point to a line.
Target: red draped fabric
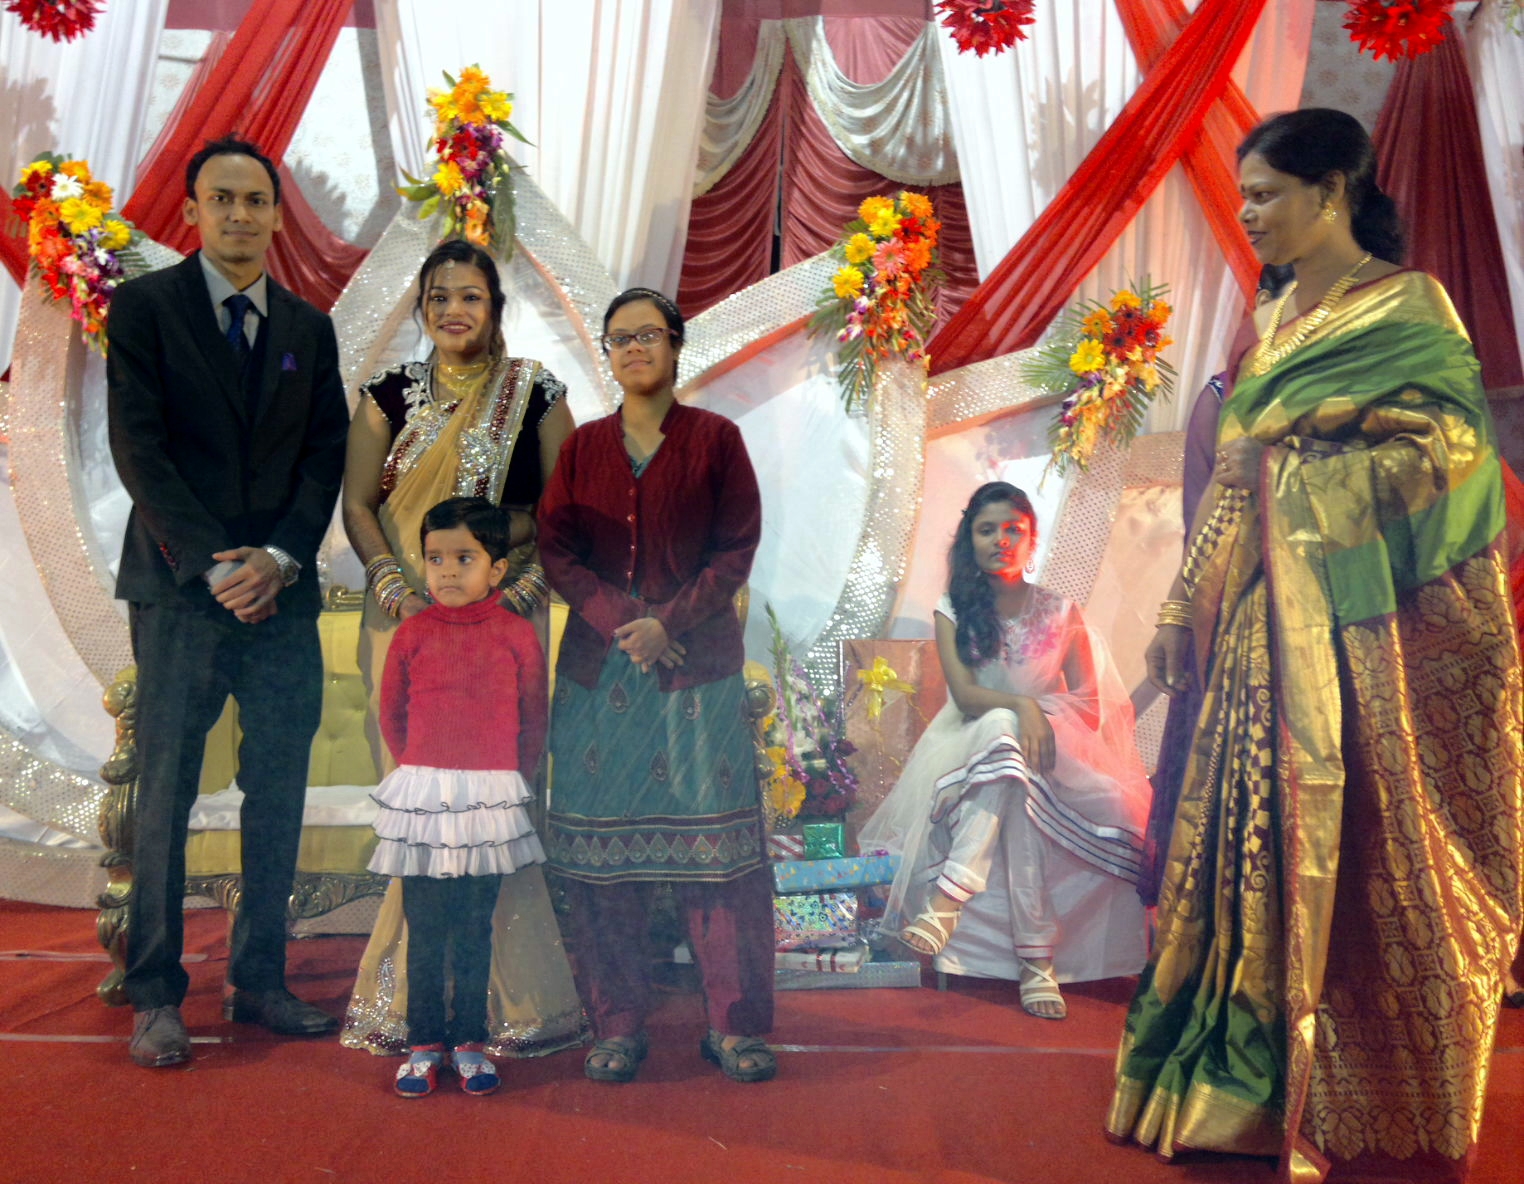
12	238
730	228
258	89
1210	163
306	256
1031	285
1430	160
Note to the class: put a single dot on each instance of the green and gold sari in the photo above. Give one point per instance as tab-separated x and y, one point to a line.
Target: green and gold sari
1342	890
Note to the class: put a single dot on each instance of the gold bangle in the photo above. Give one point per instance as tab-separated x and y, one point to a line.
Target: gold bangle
1174	612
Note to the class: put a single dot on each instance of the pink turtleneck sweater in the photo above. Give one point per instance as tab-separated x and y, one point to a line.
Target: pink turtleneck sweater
464	688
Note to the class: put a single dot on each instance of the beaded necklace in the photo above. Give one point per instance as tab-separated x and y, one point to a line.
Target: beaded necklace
1269	353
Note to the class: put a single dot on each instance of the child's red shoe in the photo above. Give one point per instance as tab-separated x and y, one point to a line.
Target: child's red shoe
419	1076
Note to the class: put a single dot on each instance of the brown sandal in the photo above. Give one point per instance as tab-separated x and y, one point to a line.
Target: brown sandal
763	1067
622	1054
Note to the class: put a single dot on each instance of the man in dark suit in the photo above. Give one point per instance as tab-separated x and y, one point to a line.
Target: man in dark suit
227	419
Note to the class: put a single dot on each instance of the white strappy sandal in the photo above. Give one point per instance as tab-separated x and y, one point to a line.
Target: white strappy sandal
1040	986
933	929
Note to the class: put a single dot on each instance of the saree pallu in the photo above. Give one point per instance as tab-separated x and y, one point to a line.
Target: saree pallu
1341	893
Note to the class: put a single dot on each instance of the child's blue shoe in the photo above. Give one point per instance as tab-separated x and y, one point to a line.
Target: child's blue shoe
478	1076
419	1077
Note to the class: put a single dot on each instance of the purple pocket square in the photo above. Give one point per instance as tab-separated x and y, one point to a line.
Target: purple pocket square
288	362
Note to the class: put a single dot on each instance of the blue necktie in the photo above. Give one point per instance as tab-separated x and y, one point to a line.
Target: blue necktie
238	306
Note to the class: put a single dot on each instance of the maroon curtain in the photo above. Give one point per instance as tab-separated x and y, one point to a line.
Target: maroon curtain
1430	160
1031	285
13	252
730	229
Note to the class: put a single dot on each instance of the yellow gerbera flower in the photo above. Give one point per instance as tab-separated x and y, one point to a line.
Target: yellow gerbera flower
1088	358
859	248
1125	299
884	223
445	107
874	206
449	179
117	234
37	168
496	106
847	282
79	215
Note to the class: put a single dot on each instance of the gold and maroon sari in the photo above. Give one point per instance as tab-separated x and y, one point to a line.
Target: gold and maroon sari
1342	894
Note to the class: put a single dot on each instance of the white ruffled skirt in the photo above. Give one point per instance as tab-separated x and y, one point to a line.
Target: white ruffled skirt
454	822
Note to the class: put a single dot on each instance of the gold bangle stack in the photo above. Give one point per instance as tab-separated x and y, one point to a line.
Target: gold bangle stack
1174	612
527	592
387	583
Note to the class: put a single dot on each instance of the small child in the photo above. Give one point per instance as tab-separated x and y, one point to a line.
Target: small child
463	710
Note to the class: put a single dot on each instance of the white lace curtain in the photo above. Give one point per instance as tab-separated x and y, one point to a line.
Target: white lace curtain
610	92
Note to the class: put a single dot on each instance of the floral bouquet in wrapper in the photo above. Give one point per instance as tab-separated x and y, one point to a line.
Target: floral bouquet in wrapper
881	297
470	184
806	745
62	20
985	25
80	249
1104	359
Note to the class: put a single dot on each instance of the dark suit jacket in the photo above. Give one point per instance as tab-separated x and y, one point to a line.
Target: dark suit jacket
204	478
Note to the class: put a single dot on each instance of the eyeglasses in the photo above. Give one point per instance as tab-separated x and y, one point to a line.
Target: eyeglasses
646	337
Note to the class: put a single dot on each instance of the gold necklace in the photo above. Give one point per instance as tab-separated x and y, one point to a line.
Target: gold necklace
463	373
1269	353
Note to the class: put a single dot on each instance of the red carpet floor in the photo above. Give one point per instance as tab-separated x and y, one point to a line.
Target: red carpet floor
875	1087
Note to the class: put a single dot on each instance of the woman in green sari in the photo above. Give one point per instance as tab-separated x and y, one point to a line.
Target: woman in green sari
1341	893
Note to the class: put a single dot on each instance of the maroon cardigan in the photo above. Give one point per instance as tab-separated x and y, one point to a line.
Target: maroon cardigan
682	537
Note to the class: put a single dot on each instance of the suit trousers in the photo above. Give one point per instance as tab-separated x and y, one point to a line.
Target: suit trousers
730	927
190	658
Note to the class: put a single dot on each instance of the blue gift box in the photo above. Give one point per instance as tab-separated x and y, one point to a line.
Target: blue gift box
833	875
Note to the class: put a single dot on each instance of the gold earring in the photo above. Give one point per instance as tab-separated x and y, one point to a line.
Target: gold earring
1330	214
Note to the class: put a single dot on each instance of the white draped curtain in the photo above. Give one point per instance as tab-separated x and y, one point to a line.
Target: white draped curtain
88	99
899	127
1024	121
731	124
610	92
1497	65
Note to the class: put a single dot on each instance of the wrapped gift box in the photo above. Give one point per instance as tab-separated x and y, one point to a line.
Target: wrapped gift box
825	840
818	921
884	743
785	846
848	960
830	875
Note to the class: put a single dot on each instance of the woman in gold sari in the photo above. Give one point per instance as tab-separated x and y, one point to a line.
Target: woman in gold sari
1341	893
470	421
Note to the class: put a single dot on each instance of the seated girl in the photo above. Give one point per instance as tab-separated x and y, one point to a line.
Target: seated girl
1020	813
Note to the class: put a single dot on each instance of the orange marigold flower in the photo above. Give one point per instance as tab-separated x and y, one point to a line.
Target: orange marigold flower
98	193
918	204
78	169
918	255
873	207
1097	324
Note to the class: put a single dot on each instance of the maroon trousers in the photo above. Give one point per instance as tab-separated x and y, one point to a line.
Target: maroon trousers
730	927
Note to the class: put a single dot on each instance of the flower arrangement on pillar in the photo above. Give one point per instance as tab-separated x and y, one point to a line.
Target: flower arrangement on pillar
470	184
80	248
1104	359
881	300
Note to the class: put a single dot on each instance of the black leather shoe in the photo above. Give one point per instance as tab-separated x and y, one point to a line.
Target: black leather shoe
279	1011
159	1038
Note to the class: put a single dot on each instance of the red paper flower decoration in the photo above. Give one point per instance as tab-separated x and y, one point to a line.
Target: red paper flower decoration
985	25
62	20
1395	29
